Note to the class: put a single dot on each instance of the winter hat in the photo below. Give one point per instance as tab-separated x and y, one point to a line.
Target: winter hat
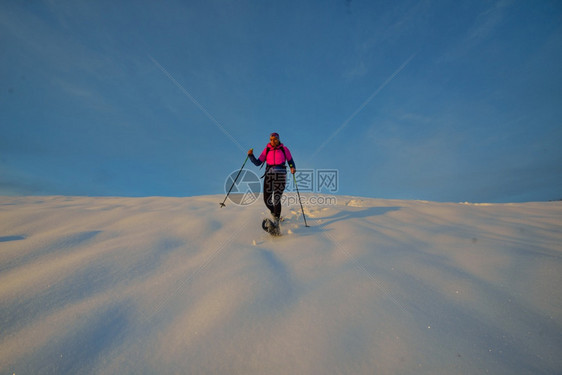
276	135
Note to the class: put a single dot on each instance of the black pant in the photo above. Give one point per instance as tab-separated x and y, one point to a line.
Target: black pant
273	188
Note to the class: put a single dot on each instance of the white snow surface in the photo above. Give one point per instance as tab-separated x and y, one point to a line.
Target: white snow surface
92	285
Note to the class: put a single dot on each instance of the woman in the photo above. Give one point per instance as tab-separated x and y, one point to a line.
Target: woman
275	154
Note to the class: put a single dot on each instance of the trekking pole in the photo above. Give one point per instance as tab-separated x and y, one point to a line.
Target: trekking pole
299	195
229	190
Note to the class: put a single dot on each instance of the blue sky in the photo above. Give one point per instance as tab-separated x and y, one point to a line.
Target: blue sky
433	100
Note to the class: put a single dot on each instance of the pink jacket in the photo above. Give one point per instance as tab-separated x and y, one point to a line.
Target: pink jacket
275	157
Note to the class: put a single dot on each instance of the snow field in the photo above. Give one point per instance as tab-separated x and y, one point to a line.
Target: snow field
179	285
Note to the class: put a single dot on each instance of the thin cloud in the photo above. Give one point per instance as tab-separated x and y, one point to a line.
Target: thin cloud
362	106
484	27
197	104
488	21
357	71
